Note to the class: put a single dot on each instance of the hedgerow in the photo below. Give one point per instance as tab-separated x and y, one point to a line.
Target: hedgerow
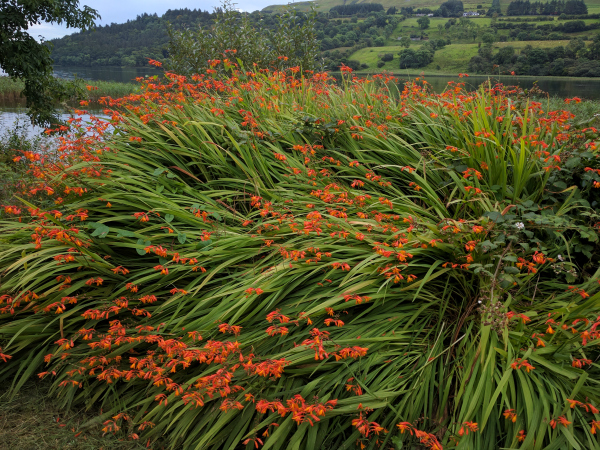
258	258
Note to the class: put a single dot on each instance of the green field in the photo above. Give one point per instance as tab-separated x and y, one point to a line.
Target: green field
452	59
411	22
410	26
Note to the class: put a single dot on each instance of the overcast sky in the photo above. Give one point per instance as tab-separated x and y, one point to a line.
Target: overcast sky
119	11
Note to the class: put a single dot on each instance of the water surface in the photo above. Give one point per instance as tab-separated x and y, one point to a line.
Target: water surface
564	87
119	74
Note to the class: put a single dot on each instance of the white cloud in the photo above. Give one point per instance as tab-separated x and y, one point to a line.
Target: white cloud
48	31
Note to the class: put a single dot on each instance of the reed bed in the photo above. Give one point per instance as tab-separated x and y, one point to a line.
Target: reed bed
10	90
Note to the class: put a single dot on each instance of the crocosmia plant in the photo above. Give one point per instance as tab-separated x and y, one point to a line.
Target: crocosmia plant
254	258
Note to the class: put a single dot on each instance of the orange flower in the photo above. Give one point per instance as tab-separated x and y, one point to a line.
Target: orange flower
3	356
120	269
163	270
510	415
233	329
472	426
539	258
403	426
337	323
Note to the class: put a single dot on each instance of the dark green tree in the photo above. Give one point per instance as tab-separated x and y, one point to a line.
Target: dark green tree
594	48
410	58
495	9
488	38
22	57
423	22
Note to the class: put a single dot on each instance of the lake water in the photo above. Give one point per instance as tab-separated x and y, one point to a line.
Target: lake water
586	88
120	74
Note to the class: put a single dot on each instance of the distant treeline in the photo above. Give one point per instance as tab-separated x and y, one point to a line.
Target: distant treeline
360	8
574	26
450	8
554	7
550	18
575	59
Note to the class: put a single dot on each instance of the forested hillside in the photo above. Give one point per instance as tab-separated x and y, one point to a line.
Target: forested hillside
125	44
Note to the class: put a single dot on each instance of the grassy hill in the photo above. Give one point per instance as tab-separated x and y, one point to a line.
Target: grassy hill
326	5
451	59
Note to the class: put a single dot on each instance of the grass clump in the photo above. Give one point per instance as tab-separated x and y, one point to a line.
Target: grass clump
32	421
10	89
269	258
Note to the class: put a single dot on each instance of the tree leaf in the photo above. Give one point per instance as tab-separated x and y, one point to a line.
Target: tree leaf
101	231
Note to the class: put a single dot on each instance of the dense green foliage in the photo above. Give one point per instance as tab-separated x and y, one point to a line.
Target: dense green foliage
14	175
411	58
521	31
292	43
23	58
576	59
275	257
553	7
127	44
356	8
450	8
495	8
423	22
420	57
